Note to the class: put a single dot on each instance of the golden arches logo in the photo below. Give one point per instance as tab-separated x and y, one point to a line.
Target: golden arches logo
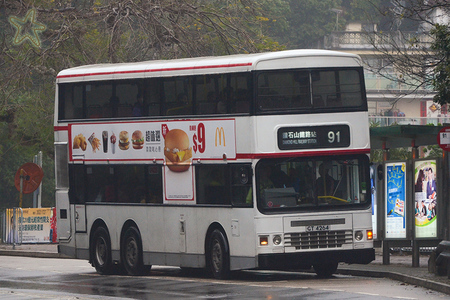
220	132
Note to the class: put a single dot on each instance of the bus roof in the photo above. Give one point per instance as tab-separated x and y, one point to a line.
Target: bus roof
210	65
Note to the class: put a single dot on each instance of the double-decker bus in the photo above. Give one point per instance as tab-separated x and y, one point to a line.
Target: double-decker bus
256	161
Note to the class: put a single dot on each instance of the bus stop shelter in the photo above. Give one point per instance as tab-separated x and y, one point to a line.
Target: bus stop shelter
414	136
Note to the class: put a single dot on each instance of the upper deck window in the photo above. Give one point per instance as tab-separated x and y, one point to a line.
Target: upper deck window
310	89
170	96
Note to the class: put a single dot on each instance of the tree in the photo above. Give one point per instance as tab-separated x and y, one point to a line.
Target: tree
102	31
412	41
309	21
441	78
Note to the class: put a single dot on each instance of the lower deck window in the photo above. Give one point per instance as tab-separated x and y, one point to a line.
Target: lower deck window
224	184
115	184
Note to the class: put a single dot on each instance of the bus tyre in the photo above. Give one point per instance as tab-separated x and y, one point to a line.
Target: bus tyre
325	270
131	251
101	251
218	256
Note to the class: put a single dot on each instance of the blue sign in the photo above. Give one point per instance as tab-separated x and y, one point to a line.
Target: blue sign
395	200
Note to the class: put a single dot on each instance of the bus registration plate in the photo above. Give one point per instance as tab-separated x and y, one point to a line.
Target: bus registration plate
318	228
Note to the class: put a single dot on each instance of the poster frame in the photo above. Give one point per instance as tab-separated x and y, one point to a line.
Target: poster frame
399	206
437	175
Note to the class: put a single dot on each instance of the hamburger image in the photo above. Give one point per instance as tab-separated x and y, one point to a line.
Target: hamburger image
177	151
137	140
124	142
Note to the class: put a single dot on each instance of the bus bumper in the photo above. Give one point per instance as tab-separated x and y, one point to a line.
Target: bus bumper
286	261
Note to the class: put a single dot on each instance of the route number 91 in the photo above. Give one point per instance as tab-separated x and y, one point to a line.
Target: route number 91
334	137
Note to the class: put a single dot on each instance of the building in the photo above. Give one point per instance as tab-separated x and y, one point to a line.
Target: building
392	96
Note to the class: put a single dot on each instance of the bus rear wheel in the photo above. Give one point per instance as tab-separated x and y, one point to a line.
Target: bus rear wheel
325	270
218	257
101	251
131	251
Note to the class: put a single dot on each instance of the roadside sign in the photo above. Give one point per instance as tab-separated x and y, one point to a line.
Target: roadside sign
443	138
31	174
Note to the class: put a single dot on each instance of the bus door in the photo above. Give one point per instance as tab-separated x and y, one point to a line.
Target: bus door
178	189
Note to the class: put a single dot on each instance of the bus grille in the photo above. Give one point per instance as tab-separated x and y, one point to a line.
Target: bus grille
318	239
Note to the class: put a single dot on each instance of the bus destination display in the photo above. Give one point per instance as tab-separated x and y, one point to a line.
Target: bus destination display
311	137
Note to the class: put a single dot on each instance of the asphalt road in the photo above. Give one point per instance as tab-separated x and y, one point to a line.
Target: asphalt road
49	278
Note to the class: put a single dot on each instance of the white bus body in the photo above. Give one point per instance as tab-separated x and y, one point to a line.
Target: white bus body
174	217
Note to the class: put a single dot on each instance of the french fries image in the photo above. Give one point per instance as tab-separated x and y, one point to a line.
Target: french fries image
95	142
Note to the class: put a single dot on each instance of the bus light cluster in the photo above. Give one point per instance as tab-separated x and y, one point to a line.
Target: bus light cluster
264	240
359	235
276	240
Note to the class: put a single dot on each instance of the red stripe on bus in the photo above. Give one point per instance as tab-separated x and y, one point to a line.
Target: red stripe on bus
61	128
299	154
156	70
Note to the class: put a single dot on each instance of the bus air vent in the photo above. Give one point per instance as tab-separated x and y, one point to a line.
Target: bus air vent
318	239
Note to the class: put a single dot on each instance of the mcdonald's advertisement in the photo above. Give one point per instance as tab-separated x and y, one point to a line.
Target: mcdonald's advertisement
176	142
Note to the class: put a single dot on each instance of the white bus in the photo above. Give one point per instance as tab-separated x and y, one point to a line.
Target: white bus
256	161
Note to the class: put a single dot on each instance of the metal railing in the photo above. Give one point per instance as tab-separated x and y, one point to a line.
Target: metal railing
393	120
365	40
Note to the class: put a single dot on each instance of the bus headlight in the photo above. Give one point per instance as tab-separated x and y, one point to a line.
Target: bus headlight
358	235
276	240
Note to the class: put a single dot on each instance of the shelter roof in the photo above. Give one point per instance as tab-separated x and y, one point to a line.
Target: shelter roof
403	136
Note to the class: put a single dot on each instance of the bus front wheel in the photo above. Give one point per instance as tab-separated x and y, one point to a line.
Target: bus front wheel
131	251
325	270
101	251
218	257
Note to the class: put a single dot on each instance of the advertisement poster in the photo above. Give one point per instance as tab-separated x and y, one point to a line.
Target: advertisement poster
203	139
373	185
175	143
425	196
395	200
37	225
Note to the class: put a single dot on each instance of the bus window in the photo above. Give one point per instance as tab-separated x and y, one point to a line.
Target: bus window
137	184
351	93
98	96
152	94
154	183
336	88
206	94
239	86
131	99
178	95
70	101
115	184
283	90
297	183
97	178
241	183
77	184
212	184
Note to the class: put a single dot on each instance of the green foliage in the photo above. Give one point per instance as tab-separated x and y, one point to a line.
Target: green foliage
376	155
432	151
441	46
309	21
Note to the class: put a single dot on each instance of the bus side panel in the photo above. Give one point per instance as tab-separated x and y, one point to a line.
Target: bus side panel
63	215
241	237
